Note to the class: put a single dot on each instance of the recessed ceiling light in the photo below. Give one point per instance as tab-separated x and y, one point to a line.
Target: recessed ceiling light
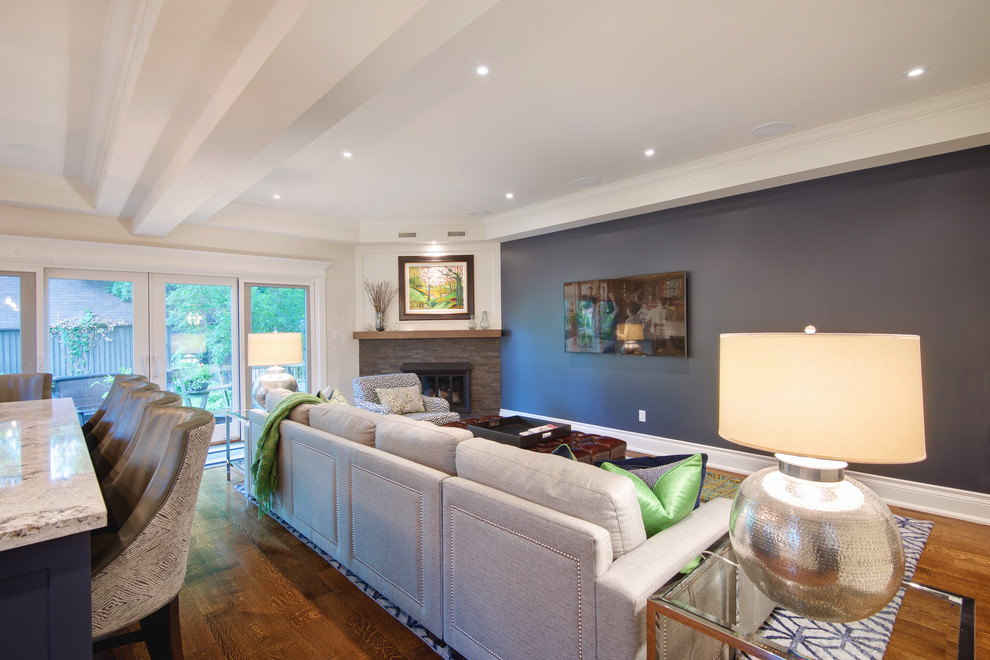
509	195
915	72
347	154
482	70
649	152
478	214
771	129
585	182
276	196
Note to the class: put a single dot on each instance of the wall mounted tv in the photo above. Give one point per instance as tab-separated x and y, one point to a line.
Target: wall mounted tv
638	315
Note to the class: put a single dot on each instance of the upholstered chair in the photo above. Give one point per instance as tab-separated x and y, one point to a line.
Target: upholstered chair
119	443
404	401
94	419
87	392
116	405
139	561
25	387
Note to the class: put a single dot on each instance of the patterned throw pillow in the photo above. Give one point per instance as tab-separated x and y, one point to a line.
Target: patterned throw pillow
401	400
331	394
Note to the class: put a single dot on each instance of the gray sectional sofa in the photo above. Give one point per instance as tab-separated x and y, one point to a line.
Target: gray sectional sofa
499	551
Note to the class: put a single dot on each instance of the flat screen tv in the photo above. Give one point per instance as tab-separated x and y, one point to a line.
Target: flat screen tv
637	315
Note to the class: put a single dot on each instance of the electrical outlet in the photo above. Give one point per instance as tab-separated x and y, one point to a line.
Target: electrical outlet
335	335
642	415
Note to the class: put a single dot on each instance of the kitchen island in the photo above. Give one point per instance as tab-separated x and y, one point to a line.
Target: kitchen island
49	501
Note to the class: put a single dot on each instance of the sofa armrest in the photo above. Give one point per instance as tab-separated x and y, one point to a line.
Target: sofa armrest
631	579
435	404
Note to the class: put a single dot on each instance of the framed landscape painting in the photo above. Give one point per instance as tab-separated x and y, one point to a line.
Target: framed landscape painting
638	315
436	288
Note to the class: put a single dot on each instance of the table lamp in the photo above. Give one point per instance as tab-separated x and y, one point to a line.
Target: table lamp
821	544
272	349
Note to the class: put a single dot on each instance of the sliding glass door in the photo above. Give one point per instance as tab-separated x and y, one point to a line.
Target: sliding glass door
183	332
278	308
192	319
97	326
18	352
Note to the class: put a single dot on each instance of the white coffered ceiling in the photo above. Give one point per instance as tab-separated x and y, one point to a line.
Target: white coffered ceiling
161	113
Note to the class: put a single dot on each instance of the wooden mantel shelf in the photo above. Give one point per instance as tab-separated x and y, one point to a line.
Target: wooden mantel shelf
429	334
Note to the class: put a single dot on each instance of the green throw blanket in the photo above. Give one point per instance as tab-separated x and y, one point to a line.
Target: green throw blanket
264	469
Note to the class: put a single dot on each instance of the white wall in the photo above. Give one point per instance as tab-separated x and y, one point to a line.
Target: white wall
341	348
381	262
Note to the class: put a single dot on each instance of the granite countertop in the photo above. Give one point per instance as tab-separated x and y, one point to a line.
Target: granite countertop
48	488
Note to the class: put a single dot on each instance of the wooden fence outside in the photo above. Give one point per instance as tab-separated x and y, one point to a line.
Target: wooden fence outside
106	356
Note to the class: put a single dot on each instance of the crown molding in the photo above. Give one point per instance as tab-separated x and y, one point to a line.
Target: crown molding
61	253
938	125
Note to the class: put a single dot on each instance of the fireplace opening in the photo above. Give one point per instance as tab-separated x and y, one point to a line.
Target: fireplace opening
447	380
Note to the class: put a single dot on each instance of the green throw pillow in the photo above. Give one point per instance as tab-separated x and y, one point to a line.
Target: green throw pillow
673	496
401	400
565	451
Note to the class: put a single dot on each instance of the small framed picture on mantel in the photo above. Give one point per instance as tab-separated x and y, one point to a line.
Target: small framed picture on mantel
439	288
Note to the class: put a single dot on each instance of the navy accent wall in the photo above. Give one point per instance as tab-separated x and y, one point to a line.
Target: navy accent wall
899	249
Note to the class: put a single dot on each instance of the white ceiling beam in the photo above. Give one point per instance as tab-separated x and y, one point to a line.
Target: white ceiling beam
332	61
169	69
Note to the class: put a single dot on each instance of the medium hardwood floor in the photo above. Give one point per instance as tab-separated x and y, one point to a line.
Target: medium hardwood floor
255	591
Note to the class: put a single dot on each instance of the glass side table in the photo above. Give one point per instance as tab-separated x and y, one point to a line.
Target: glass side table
717	612
242	417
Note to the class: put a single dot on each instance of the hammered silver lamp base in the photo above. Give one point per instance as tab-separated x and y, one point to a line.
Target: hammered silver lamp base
274	378
826	549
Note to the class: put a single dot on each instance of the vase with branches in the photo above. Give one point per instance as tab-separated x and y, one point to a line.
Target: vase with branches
380	294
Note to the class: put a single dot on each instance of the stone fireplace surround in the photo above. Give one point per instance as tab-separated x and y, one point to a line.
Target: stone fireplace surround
385	352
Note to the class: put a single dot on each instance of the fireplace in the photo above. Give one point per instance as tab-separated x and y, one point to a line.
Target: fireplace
387	353
447	380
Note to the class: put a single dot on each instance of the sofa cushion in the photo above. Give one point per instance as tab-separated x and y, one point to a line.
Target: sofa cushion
298	413
425	443
672	495
577	489
401	400
274	397
345	421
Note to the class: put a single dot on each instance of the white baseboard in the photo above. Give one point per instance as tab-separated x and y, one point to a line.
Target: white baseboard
940	500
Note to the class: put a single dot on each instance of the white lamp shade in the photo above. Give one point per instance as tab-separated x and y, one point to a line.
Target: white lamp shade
849	397
274	348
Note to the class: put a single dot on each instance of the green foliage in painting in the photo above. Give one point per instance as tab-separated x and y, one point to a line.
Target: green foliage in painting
436	287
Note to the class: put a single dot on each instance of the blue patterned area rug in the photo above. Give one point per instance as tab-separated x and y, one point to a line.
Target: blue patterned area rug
412	624
858	640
